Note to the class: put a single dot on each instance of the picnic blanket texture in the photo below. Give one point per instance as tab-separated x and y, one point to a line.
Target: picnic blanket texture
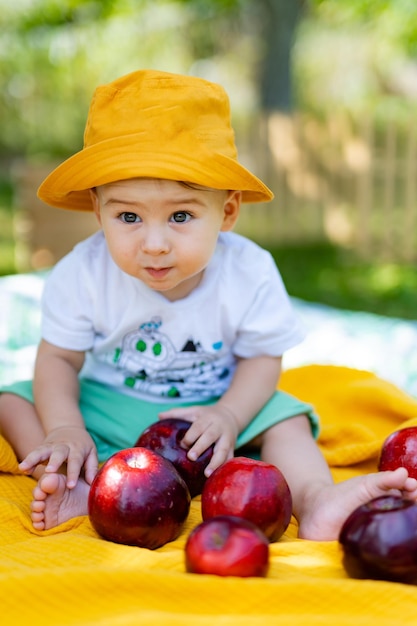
70	576
356	369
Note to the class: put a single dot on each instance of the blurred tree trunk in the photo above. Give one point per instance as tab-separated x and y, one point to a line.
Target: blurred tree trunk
280	20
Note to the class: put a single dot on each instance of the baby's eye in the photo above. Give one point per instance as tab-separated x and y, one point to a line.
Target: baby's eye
129	218
181	216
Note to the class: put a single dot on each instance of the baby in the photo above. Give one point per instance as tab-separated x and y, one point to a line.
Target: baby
165	312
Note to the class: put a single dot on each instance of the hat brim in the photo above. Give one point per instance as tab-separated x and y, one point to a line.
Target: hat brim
126	157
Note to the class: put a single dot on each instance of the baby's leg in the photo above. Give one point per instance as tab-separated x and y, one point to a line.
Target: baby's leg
319	505
20	425
52	502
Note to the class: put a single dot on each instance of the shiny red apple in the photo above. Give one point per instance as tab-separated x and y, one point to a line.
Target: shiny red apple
254	490
138	498
400	450
165	437
379	540
227	546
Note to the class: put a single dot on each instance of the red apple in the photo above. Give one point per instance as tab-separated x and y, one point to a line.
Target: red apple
379	540
227	546
251	489
165	437
139	499
400	450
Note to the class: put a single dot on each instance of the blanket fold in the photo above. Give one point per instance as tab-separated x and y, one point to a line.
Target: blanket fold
70	576
358	410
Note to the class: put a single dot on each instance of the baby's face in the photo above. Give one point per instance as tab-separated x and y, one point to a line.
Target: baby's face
163	232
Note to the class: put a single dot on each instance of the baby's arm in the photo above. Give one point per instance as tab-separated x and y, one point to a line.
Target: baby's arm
56	395
253	384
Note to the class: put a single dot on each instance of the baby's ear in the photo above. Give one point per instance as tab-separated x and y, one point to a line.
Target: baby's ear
231	209
96	203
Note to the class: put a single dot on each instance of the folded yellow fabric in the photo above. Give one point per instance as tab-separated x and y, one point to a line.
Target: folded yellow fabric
357	409
69	576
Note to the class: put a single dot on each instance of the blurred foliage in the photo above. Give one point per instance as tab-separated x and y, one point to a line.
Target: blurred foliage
393	21
54	52
338	278
360	55
354	54
7	252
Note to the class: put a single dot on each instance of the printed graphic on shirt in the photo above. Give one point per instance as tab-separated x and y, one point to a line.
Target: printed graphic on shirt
151	364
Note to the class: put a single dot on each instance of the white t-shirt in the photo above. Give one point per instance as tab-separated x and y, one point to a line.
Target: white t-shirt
139	342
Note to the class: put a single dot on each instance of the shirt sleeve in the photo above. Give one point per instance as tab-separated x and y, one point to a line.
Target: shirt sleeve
269	325
66	306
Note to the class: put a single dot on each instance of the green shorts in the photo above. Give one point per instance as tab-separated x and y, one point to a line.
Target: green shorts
115	420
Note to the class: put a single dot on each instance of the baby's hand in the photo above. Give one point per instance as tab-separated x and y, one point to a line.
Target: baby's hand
71	445
209	425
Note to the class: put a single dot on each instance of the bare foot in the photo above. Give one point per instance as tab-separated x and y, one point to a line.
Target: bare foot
53	503
327	508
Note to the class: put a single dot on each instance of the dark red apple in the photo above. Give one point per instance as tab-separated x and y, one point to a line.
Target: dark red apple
379	540
251	489
165	437
400	450
227	546
138	498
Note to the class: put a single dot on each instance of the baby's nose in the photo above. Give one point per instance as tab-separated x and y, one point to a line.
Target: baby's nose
154	241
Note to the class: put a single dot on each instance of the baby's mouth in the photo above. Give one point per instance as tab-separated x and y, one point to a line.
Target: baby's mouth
158	272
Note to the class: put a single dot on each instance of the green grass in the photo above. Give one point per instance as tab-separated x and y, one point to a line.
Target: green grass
333	276
7	246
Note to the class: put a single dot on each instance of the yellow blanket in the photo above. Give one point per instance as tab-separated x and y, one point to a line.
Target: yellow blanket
70	576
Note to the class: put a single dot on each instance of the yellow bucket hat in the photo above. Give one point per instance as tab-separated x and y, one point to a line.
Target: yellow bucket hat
156	125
